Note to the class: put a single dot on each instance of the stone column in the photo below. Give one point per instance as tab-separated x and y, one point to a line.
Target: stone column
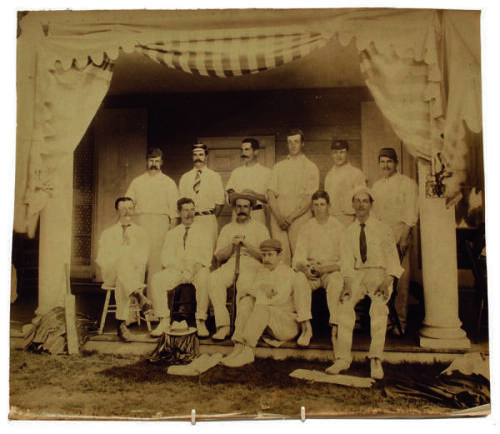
442	326
55	239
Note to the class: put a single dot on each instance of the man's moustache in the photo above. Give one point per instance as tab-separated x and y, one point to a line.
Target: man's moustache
245	156
242	213
197	160
154	168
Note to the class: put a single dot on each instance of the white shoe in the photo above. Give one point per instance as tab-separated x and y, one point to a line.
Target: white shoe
245	357
305	337
202	329
222	333
376	369
163	327
238	348
339	366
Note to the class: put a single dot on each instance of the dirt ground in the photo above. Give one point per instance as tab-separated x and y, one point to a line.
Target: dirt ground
94	385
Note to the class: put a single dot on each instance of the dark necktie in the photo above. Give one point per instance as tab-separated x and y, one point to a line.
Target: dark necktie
362	243
184	238
197	182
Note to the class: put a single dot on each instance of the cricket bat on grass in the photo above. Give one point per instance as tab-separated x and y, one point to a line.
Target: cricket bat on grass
70	313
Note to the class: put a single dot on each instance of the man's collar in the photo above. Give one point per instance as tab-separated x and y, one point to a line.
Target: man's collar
296	157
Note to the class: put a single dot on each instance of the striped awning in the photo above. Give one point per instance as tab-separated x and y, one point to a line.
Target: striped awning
235	55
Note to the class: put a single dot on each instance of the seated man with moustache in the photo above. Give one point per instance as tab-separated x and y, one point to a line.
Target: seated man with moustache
273	309
245	234
186	257
122	256
370	262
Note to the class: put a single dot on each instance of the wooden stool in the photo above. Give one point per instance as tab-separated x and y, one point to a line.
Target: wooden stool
111	308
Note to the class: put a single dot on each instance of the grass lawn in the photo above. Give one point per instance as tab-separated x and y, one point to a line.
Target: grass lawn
96	385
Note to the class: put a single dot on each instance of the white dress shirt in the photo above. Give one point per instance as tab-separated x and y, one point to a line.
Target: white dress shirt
340	183
198	248
255	177
154	194
211	191
381	248
281	280
292	178
253	231
116	244
396	200
319	242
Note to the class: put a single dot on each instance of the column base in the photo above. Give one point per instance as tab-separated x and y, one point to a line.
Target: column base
444	343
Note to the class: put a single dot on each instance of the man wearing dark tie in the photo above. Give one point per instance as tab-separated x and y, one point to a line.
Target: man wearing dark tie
122	256
369	264
186	257
205	187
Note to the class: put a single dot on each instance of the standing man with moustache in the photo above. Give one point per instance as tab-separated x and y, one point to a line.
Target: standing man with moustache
396	204
155	196
205	187
291	186
252	177
341	181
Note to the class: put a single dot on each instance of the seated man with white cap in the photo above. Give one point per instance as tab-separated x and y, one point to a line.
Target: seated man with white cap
369	264
247	234
273	309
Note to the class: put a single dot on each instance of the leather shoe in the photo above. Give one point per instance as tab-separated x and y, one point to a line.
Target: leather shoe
245	357
125	333
222	333
202	329
163	327
306	335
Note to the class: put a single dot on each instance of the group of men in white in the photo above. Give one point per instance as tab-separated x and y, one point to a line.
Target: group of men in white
349	239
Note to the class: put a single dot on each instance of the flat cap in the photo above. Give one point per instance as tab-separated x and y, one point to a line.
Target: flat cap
338	145
270	245
154	153
389	153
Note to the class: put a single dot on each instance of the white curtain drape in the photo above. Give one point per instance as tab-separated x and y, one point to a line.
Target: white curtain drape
400	64
63	103
464	99
64	67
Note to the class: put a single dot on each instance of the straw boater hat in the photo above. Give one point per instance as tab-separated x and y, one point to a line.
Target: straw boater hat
181	329
244	194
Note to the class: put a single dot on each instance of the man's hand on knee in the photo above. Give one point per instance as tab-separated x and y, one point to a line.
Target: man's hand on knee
346	293
383	290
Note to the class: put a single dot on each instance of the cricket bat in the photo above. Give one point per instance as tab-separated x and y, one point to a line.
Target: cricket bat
70	313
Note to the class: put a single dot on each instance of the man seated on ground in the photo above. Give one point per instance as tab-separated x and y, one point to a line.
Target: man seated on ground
317	261
370	263
122	256
186	257
273	309
247	234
